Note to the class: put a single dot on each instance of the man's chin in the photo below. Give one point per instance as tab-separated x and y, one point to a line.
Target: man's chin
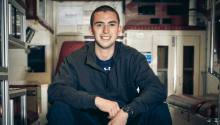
105	47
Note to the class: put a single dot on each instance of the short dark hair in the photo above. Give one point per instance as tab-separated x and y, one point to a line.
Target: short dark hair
103	8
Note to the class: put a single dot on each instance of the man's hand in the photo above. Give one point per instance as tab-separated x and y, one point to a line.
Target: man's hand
107	106
120	119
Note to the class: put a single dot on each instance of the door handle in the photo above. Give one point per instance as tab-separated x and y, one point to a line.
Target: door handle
180	81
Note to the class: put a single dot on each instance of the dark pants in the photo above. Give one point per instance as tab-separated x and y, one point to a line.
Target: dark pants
63	114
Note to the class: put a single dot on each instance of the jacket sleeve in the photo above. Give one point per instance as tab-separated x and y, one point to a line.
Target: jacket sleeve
152	91
64	88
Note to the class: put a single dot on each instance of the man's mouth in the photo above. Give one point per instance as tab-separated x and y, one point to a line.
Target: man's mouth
105	37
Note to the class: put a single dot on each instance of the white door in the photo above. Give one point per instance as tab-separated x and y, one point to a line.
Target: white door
163	61
188	65
175	60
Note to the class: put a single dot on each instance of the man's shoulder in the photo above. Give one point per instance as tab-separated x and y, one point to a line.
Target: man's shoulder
127	50
79	53
130	53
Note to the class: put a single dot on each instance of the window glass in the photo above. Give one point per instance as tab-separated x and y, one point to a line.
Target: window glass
162	64
16	22
36	59
188	69
42	5
155	21
167	21
175	9
146	9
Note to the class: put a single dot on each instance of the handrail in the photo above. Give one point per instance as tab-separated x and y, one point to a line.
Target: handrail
4	44
211	63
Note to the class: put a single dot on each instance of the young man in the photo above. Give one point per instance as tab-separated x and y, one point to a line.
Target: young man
97	84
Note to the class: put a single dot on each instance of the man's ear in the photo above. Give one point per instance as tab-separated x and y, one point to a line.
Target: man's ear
119	29
90	30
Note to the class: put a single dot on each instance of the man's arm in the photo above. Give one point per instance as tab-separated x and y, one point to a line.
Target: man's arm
152	91
105	105
120	119
64	88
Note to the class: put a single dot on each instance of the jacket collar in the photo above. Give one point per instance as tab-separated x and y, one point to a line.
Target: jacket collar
91	57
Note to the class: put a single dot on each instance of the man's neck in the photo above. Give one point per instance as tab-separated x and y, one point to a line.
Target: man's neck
104	54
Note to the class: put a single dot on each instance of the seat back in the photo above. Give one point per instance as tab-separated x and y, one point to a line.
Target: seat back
68	47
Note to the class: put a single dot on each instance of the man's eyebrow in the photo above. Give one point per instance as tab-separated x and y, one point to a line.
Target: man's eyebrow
112	22
99	22
108	22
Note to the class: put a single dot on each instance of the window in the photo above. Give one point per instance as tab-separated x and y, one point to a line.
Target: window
175	9
155	21
36	58
167	21
146	10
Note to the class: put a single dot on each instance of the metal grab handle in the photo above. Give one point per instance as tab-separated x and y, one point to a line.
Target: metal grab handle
179	80
211	63
11	109
174	40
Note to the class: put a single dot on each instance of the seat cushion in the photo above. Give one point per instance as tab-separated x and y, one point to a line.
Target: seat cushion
209	109
68	47
189	102
31	116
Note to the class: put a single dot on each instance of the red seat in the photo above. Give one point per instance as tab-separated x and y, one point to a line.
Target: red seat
209	109
32	116
68	47
190	102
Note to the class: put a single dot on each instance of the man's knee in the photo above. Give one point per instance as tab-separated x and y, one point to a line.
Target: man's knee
161	114
59	108
161	109
59	111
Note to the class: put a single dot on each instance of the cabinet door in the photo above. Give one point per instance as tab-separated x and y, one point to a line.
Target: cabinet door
175	60
163	60
188	65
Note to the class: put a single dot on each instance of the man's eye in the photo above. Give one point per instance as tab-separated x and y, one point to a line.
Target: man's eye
99	25
112	24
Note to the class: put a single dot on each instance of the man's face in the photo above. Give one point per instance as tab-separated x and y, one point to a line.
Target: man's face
105	29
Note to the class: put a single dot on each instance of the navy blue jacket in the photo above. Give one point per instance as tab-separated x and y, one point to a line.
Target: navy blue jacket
80	79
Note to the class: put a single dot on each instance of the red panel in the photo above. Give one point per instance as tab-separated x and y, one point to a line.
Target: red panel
31	10
132	17
133	27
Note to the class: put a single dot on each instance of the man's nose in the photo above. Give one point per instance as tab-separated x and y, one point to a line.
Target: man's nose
106	29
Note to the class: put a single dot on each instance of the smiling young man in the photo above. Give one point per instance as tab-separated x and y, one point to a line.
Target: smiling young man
97	84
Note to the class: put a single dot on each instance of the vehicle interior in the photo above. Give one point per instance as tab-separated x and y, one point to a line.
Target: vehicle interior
180	39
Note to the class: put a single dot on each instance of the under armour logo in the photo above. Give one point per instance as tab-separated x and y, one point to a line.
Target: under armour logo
107	69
